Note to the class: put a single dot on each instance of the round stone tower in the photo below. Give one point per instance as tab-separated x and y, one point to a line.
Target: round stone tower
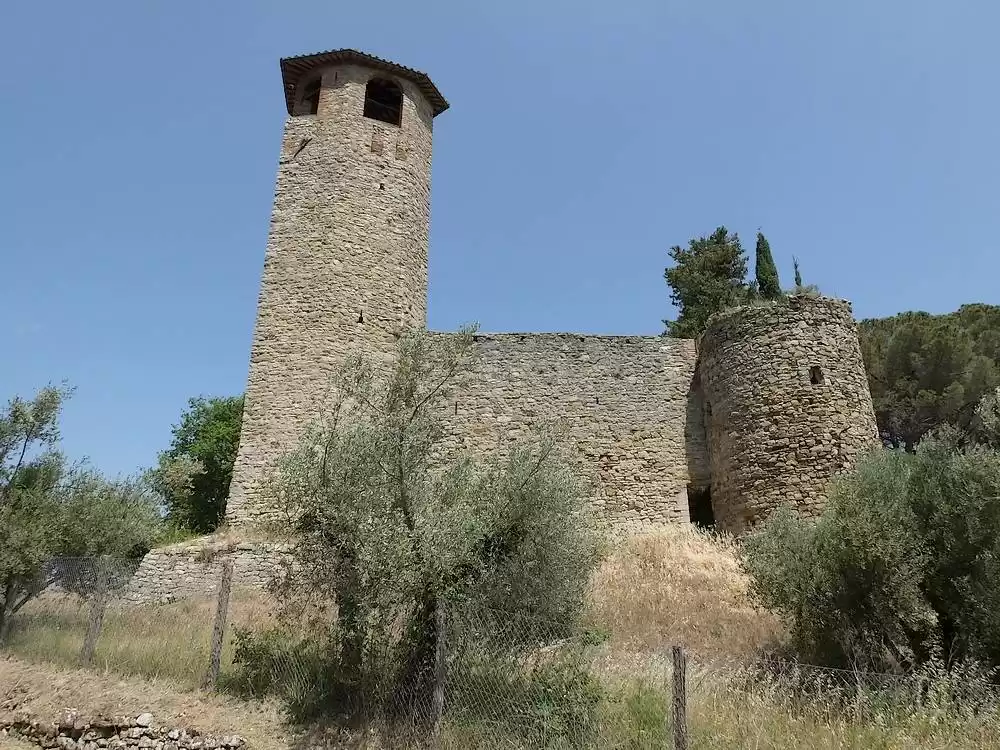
787	406
346	263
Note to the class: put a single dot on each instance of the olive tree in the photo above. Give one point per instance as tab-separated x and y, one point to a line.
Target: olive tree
903	565
393	532
52	510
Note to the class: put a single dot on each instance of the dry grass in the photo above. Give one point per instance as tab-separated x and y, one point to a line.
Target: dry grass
675	585
678	585
45	691
169	641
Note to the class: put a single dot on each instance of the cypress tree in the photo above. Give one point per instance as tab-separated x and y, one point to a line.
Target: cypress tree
767	272
798	275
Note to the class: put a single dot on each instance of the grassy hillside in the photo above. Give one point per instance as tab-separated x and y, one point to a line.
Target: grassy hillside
673	586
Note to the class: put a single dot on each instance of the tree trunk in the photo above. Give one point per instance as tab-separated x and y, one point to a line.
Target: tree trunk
417	653
7	608
98	606
348	616
440	667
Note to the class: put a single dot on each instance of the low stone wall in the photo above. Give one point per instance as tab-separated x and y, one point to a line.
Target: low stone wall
194	569
72	732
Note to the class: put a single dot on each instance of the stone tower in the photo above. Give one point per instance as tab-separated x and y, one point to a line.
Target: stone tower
346	263
787	406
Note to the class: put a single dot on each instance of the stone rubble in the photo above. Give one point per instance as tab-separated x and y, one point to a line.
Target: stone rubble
73	732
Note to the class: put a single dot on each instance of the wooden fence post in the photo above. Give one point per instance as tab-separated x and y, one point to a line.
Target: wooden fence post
219	630
98	606
440	654
680	699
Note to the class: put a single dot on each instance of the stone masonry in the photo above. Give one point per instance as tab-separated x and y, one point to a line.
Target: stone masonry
622	403
786	403
346	262
194	570
766	408
72	731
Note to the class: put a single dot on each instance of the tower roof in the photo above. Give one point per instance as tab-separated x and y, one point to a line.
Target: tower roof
293	68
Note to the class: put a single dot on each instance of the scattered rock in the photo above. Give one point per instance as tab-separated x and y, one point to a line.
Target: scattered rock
72	732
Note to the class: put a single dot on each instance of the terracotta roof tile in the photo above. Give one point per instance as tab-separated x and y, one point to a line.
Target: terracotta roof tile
293	68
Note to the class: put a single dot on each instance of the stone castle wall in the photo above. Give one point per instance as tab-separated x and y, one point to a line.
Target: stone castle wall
623	403
346	271
786	403
345	267
194	570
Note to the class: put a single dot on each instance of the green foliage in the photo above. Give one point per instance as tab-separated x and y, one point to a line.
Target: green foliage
926	370
555	703
193	475
269	662
986	420
902	567
766	271
50	510
707	276
392	537
798	273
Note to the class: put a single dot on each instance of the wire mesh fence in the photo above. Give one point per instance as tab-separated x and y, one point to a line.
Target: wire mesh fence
85	612
486	679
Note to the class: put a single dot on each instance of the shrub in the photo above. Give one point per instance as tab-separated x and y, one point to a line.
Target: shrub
901	567
51	510
393	535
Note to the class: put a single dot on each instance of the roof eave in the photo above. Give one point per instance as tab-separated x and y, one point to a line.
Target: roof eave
293	68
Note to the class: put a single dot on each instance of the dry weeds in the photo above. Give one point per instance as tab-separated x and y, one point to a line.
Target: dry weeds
44	691
679	585
156	641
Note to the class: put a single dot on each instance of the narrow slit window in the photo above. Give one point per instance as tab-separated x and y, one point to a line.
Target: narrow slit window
816	375
384	101
310	97
361	316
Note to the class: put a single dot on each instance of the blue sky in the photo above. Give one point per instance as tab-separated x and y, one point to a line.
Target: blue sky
140	141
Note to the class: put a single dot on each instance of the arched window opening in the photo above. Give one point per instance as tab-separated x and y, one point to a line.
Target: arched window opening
310	98
384	101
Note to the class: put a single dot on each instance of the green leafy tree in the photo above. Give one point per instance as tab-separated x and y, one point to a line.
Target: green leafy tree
903	566
798	273
926	371
986	421
395	537
707	276
50	510
768	283
194	474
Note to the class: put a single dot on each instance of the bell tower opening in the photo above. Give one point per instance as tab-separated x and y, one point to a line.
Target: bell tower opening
310	97
384	101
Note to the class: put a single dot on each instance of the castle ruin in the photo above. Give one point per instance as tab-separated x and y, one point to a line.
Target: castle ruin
765	408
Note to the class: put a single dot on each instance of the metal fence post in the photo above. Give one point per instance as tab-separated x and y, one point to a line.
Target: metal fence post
219	629
98	606
680	699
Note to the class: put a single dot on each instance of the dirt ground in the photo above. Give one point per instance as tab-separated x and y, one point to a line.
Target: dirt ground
45	692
